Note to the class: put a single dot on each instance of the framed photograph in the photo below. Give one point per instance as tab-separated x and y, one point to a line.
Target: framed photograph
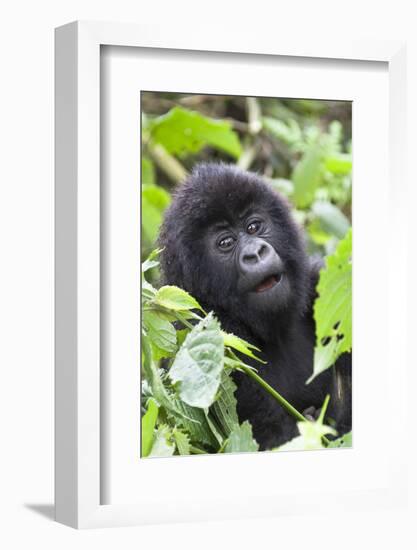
222	212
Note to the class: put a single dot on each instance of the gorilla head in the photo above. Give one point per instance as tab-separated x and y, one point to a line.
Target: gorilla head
228	238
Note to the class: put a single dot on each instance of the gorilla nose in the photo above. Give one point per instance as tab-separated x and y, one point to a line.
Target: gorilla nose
256	252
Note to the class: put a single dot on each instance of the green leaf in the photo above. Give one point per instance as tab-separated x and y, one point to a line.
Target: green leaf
290	132
232	341
162	334
345	441
333	308
224	408
148	425
241	440
181	335
198	364
307	175
153	377
194	421
339	164
151	221
154	202
182	442
332	220
150	261
162	443
157	196
176	299
311	433
310	437
148	291
182	131
215	429
148	171
317	233
282	185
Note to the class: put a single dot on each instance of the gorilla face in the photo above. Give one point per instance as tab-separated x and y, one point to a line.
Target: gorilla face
246	248
228	238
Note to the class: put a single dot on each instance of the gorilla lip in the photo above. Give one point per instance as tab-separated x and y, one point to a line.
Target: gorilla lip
268	283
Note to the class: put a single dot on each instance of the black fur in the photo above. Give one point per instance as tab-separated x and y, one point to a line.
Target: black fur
282	328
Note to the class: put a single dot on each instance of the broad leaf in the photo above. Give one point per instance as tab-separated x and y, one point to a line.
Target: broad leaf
154	202
307	175
198	364
332	220
151	220
157	196
148	291
161	333
333	308
175	298
241	440
182	131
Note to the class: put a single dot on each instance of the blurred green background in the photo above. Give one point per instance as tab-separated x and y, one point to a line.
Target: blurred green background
301	146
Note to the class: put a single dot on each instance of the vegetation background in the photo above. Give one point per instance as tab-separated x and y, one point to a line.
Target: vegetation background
302	147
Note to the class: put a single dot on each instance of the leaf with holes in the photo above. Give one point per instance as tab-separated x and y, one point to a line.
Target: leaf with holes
345	441
333	308
198	364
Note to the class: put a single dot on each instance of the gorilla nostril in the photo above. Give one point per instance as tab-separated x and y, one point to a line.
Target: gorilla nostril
251	258
263	251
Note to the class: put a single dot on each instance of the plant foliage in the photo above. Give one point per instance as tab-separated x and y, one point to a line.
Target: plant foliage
303	149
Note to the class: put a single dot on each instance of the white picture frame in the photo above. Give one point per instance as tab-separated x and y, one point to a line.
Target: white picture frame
78	404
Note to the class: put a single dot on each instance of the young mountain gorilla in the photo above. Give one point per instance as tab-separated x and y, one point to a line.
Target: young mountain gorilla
230	241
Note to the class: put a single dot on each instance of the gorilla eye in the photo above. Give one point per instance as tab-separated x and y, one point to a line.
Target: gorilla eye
253	227
226	242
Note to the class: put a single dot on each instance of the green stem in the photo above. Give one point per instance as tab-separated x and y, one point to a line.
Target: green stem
167	163
278	397
183	320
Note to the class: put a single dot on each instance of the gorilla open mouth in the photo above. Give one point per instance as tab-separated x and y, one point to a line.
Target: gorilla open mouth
268	283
